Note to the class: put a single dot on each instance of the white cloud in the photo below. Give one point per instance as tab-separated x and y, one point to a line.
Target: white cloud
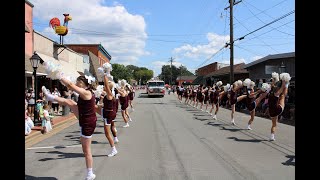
256	58
215	42
122	34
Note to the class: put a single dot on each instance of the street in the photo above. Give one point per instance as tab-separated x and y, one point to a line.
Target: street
169	140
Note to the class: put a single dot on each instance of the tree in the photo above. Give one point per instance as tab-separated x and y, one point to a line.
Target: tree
120	71
166	73
144	74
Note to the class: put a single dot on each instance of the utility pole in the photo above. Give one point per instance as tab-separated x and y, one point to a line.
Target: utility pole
232	2
171	60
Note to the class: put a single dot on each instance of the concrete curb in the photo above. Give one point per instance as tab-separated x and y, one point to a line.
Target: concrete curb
59	126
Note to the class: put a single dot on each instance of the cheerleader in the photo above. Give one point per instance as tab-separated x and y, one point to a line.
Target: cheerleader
185	95
233	99
123	98
109	109
214	98
84	110
194	96
251	101
276	100
206	97
131	96
200	97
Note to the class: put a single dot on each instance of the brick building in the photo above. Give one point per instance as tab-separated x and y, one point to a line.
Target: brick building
209	68
185	79
97	49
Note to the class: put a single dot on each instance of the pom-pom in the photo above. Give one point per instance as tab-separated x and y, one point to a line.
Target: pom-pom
285	77
226	87
266	87
219	83
123	82
275	77
107	66
246	82
100	71
239	83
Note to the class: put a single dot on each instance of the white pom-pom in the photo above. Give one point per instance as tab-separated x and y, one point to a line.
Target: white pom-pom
246	82
226	87
239	83
219	83
285	77
266	87
123	82
107	66
251	85
100	71
275	76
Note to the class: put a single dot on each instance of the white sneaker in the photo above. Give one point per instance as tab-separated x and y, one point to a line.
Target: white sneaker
113	153
249	128
116	140
207	111
91	177
127	125
130	119
132	109
210	114
201	109
272	138
215	117
233	123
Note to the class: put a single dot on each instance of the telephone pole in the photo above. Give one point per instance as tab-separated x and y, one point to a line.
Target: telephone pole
171	60
232	2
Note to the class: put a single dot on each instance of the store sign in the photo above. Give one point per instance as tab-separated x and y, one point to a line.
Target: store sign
271	69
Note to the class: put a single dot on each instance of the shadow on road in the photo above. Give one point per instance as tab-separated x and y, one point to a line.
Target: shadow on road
247	140
27	177
201	114
232	130
213	124
200	119
63	155
290	162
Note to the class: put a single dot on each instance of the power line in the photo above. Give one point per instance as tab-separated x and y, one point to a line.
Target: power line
291	12
211	56
271	30
265	10
264	22
259	38
254	53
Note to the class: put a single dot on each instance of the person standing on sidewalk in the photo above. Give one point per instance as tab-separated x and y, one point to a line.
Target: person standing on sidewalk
55	104
84	110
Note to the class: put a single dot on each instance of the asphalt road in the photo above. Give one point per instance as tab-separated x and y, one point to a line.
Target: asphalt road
168	140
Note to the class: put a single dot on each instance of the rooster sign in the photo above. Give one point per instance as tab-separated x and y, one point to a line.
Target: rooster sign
60	30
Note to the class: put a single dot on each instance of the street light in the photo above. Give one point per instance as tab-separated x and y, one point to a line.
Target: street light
35	60
282	68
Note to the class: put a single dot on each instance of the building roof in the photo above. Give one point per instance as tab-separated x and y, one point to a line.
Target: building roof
94	65
99	46
198	80
184	78
237	69
273	56
30	4
26	29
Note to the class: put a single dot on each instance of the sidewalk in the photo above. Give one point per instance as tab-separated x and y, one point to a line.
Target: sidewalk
60	122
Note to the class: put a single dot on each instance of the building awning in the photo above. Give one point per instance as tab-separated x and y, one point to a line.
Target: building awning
94	65
66	68
29	69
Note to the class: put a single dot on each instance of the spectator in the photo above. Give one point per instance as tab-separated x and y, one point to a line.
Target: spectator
31	102
55	104
28	124
46	121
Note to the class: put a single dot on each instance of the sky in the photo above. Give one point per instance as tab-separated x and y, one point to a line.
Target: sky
148	33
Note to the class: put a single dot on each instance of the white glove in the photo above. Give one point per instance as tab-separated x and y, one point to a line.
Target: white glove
101	72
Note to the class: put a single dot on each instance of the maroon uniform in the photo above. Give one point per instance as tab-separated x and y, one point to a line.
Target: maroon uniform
109	107
274	108
250	102
87	115
216	97
185	93
131	95
206	98
233	97
123	102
